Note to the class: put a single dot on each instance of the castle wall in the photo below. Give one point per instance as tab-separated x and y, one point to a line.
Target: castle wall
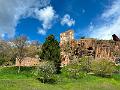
107	49
103	52
87	43
28	61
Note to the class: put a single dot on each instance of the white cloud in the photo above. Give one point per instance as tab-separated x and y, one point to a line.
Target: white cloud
47	16
41	31
112	11
67	20
111	24
12	10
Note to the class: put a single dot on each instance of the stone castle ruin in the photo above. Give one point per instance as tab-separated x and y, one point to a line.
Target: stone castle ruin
71	49
108	49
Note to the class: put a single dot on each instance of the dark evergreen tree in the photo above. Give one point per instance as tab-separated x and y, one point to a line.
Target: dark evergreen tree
51	51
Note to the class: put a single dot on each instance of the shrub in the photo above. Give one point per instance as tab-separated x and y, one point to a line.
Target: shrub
46	72
85	63
118	69
103	67
73	71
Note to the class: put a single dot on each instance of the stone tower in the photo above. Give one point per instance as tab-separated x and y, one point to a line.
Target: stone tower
66	37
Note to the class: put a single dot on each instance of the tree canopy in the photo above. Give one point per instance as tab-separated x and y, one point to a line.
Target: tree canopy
51	51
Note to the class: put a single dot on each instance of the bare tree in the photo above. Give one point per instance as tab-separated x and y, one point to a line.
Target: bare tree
6	53
20	44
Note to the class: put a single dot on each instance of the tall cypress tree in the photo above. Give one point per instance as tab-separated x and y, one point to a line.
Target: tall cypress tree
51	51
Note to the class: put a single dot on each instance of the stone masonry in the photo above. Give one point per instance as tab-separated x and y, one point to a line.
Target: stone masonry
108	49
28	61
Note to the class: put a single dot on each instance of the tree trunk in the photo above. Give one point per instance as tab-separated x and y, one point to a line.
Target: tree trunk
19	68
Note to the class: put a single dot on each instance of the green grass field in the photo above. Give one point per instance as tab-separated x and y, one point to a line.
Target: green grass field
10	80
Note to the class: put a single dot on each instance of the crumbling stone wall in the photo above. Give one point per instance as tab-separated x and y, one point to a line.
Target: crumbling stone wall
109	49
103	52
28	61
87	43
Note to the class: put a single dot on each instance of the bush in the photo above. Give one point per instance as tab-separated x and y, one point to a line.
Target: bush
85	63
103	67
73	71
46	72
118	69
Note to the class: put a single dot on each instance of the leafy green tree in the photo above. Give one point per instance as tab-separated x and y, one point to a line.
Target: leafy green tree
51	51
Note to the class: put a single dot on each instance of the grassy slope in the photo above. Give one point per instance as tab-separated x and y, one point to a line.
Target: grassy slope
10	80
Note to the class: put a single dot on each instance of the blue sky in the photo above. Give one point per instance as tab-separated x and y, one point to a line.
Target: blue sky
39	18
